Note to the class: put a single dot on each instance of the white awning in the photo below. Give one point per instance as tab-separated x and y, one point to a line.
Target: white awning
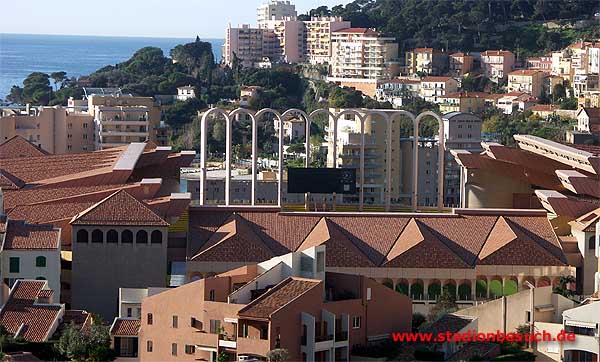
580	324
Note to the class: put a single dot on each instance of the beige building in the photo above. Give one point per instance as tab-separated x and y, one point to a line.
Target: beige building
460	64
590	98
290	34
526	80
433	88
426	61
361	53
465	102
250	45
496	64
319	37
274	10
54	129
561	65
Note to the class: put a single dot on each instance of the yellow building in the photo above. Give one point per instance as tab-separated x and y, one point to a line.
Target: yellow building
318	37
465	102
426	60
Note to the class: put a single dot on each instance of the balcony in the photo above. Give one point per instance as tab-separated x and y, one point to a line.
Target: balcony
324	338
253	346
341	336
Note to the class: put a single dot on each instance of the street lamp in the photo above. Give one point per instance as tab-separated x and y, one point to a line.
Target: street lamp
532	308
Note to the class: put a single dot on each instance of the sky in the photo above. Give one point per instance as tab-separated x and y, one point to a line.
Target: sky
153	18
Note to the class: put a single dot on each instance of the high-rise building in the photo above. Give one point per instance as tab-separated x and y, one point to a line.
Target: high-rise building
361	53
275	10
289	33
318	37
250	45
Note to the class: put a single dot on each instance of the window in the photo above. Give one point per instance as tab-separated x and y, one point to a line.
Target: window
356	322
97	236
149	318
40	278
127	236
82	236
141	237
190	349
175	321
14	264
215	326
156	237
369	295
129	313
592	243
320	262
148	346
211	295
264	332
174	349
112	236
245	330
40	261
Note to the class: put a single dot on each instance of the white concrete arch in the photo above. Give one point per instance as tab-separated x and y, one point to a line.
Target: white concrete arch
232	115
396	116
203	141
441	149
388	163
258	116
307	122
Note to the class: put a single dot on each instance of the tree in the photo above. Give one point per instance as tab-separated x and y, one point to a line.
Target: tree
445	304
58	77
223	357
563	286
92	344
278	355
218	131
417	320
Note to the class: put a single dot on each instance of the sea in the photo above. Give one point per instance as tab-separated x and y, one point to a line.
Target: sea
22	54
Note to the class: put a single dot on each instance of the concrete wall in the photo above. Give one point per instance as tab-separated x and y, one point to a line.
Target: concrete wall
100	269
28	270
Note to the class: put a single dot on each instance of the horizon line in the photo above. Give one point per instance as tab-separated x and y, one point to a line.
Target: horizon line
114	36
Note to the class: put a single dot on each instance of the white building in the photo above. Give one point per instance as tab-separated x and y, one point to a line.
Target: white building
120	125
583	321
130	300
432	88
274	10
293	129
186	92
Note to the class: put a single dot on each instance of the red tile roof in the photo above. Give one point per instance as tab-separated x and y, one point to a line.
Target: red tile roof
23	236
527	72
465	94
364	31
18	147
21	314
9	181
277	297
46	213
496	53
370	239
125	327
435	79
120	208
79	318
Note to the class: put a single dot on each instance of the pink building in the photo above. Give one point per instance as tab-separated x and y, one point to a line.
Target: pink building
497	64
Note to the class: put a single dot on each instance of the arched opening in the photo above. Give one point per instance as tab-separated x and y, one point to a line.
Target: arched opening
388	283
112	236
40	278
496	288
511	286
592	243
127	237
416	290
97	236
156	237
543	282
141	237
82	236
481	287
402	286
450	287
464	290
434	290
40	261
529	279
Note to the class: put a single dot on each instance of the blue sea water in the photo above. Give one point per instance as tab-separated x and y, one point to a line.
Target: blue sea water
22	54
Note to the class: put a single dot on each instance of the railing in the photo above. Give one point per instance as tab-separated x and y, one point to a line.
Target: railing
341	336
328	337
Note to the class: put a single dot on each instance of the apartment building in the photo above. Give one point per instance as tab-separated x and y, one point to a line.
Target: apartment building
318	37
250	45
54	129
590	98
361	53
426	61
464	102
496	64
287	302
460	64
397	89
274	10
293	129
433	88
515	102
526	80
543	64
290	34
561	64
585	83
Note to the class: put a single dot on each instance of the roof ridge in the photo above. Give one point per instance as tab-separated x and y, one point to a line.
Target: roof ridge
342	231
487	250
443	239
323	219
388	256
518	229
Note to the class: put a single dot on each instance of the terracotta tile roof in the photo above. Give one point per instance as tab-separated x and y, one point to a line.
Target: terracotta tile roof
364	31
544	108
423	50
448	323
79	318
435	79
9	181
417	247
278	296
125	327
465	94
496	53
587	222
23	236
341	251
46	213
460	238
403	81
485	350
120	208
235	240
18	147
525	72
21	314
